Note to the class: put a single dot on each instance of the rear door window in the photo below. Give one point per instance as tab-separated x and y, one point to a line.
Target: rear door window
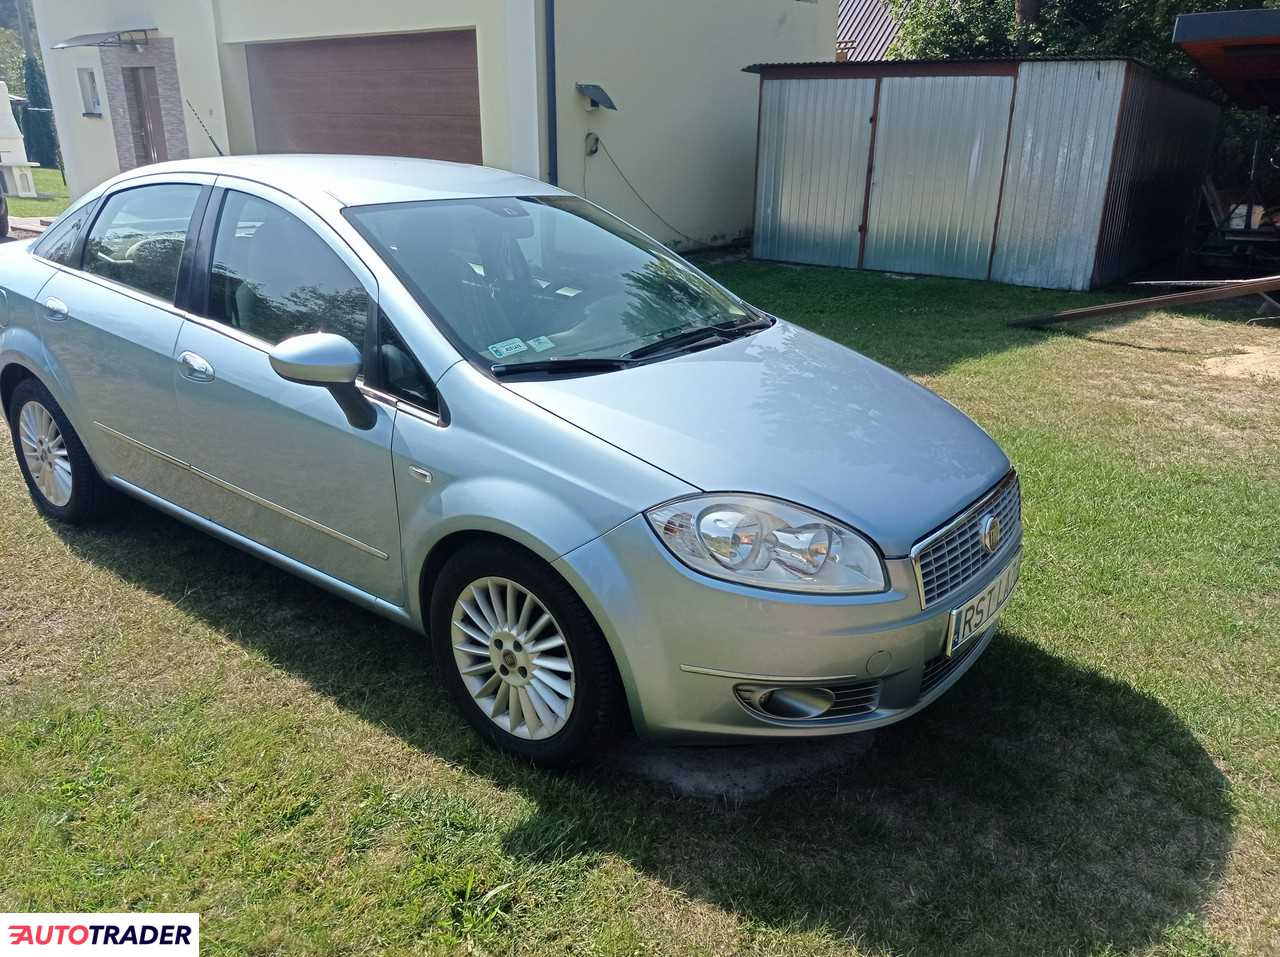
137	239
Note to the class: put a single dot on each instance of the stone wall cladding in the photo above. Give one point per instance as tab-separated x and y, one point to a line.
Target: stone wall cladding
158	52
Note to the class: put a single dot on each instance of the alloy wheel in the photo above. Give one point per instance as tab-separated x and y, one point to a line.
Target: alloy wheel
45	452
513	658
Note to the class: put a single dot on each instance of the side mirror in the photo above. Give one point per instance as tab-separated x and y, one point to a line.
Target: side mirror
330	361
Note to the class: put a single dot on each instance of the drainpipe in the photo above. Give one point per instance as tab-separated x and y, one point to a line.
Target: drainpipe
549	36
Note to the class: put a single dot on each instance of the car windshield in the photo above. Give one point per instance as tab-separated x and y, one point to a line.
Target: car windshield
518	280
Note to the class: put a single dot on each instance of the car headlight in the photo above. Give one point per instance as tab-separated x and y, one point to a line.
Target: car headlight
761	541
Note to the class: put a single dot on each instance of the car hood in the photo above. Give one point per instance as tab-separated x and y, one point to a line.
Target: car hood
790	414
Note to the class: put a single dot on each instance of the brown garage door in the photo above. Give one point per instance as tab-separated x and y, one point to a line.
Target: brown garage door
404	95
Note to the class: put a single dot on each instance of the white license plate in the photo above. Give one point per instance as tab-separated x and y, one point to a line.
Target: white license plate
980	611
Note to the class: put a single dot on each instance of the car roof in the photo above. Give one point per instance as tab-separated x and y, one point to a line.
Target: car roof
358	180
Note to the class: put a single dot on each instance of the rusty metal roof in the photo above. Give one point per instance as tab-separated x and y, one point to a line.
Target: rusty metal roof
953	64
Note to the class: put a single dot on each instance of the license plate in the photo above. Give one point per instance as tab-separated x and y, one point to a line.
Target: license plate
980	611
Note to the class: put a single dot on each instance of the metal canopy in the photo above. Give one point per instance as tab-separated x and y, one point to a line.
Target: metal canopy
1239	49
115	38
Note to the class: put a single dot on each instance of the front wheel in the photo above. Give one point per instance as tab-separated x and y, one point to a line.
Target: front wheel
523	658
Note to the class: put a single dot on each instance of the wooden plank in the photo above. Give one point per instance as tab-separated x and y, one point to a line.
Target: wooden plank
1230	290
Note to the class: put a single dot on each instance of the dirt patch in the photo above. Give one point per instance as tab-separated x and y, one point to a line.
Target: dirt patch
1251	364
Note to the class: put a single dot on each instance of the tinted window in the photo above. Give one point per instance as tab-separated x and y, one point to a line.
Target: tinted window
138	237
518	279
59	243
274	278
401	374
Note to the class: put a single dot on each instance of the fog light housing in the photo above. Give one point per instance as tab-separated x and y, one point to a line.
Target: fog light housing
788	703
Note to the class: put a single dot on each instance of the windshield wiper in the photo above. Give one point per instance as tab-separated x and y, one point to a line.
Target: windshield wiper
712	334
565	364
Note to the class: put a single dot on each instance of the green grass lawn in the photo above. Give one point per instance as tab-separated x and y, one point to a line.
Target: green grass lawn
53	198
183	728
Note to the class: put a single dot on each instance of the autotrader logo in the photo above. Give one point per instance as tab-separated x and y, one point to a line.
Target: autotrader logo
176	935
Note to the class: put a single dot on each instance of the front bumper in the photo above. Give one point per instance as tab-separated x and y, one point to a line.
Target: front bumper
687	644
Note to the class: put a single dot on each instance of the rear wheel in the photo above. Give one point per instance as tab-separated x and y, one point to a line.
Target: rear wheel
523	658
59	474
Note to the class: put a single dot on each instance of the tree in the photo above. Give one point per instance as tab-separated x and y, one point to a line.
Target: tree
1141	29
1092	28
42	141
11	62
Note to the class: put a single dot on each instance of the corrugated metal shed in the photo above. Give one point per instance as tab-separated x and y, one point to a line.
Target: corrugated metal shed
1065	173
936	180
1060	146
1163	146
809	196
864	29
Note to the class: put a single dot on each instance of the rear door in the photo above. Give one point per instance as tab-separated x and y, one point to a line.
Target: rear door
109	324
280	463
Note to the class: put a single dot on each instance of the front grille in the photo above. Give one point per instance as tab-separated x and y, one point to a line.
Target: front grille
935	669
950	558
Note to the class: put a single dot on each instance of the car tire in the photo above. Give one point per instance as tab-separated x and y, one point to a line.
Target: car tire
63	481
566	653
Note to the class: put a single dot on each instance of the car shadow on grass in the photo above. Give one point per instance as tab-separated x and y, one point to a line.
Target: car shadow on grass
1038	807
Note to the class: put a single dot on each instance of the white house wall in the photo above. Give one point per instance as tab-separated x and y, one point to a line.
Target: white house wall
89	143
684	133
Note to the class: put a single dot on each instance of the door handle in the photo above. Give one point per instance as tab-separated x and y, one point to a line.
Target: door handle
196	368
55	309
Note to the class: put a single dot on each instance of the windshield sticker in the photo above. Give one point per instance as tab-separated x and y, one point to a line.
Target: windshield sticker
508	347
541	344
567	291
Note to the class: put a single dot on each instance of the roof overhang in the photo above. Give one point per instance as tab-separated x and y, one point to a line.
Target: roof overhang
114	38
1239	49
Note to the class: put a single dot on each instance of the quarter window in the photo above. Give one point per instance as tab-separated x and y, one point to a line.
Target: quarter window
59	243
401	374
138	237
274	278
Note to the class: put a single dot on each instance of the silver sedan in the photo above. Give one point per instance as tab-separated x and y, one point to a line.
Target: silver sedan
606	487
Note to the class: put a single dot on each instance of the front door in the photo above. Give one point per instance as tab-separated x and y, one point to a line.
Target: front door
146	122
110	327
280	463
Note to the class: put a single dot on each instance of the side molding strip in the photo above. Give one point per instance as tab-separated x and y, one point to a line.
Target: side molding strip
256	499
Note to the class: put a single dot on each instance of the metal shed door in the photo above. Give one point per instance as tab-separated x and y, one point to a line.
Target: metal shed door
400	95
935	186
814	137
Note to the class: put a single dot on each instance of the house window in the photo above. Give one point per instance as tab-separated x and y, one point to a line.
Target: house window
89	98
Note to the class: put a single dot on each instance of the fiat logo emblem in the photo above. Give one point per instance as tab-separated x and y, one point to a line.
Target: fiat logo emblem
989	532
